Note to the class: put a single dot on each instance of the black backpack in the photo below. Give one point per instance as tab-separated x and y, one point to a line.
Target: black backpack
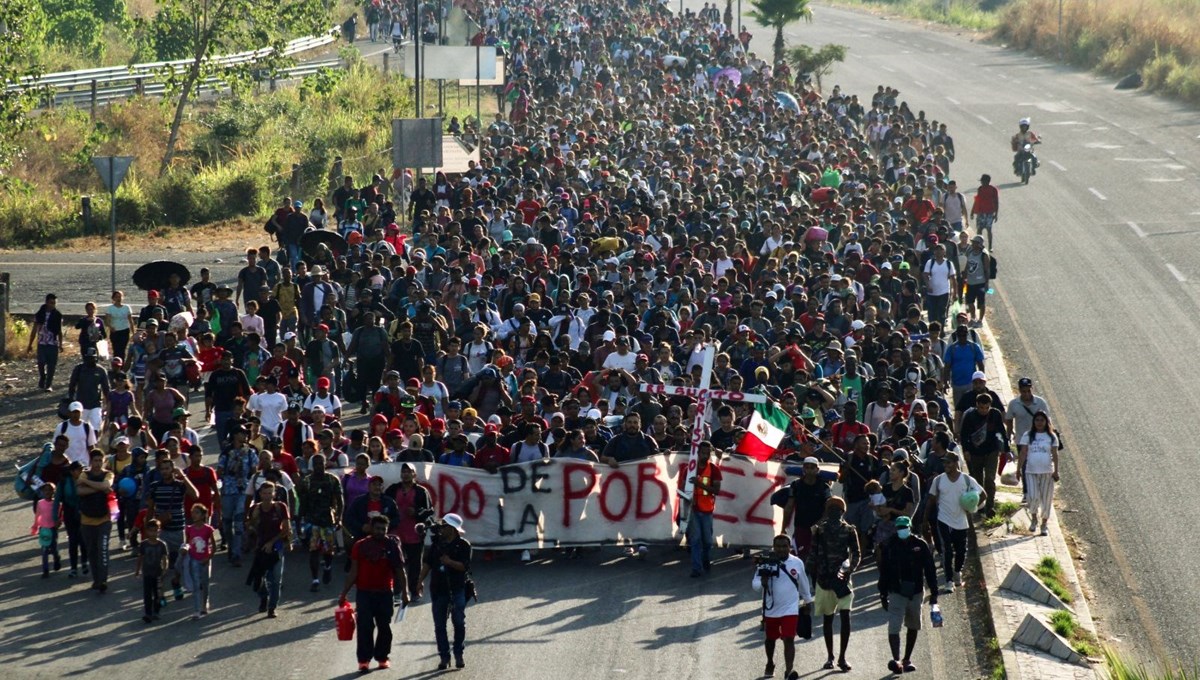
992	266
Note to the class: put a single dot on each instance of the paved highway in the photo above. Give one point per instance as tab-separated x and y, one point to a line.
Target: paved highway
1097	292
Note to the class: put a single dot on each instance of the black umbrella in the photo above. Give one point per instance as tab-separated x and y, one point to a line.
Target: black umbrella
157	275
310	240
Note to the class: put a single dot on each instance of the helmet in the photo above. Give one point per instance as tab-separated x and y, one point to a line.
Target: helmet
1024	122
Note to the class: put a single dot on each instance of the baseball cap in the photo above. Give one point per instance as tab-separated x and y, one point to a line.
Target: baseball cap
75	406
807	413
289	336
1025	382
609	335
180	413
317	408
811	460
323	383
979	375
903	522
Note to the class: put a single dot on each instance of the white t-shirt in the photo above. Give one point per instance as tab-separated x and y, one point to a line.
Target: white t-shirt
1039	459
786	595
329	402
83	439
627	362
269	407
950	511
436	392
939	276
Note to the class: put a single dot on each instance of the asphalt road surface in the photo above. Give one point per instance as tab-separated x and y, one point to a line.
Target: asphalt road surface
601	615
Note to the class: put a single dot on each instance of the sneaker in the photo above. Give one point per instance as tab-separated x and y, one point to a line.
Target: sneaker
642	551
195	616
525	557
364	667
958	581
316	585
459	663
384	665
178	594
203	612
1045	530
444	664
74	573
895	667
949	587
909	667
1033	525
271	614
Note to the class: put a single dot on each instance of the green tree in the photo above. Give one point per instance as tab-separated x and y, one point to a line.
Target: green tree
818	63
229	26
777	14
80	31
22	34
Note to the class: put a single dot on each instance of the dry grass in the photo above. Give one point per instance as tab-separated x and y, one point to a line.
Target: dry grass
1159	38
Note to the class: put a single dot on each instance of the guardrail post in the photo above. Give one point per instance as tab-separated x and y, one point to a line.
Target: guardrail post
3	314
139	87
385	62
93	87
86	213
272	82
295	179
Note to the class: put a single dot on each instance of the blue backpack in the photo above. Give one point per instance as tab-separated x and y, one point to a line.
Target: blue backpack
29	480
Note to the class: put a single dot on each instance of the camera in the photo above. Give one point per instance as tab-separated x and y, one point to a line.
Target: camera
768	564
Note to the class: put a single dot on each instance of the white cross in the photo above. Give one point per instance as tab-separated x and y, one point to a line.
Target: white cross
704	396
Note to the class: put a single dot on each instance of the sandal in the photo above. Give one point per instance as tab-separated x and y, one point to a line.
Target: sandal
828	665
845	667
769	671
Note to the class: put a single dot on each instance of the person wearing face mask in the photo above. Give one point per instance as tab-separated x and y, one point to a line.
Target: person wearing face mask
905	570
833	558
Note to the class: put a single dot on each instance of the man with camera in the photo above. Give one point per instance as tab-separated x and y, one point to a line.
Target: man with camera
905	563
781	578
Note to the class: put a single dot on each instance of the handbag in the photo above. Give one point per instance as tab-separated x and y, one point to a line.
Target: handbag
804	624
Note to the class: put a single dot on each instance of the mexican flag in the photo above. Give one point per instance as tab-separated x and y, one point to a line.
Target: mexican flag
766	431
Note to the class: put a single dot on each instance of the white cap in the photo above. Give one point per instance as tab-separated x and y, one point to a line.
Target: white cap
609	335
811	460
979	375
743	328
886	265
317	408
75	406
120	440
289	336
594	414
858	325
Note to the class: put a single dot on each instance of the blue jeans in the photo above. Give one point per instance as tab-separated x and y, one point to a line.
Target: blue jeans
47	361
454	605
700	540
233	523
271	583
293	251
221	425
198	575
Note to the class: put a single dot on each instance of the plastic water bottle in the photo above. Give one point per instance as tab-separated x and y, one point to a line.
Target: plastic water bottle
935	616
845	569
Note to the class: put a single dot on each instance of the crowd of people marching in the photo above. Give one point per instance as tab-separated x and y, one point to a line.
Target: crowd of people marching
652	188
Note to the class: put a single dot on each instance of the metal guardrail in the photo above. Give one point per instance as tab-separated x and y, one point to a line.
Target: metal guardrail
117	82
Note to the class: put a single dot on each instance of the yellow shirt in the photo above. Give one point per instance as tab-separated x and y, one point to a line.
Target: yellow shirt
288	296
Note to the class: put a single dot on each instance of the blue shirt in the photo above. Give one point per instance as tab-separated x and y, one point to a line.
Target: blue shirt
962	360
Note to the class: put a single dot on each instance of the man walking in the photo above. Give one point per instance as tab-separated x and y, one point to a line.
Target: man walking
95	522
377	572
705	486
986	207
940	280
321	505
905	564
447	564
983	438
945	492
834	557
784	585
806	505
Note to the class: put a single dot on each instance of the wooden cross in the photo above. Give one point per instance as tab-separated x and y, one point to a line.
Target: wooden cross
704	396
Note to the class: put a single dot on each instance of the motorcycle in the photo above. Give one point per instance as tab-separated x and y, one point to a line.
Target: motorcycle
1026	162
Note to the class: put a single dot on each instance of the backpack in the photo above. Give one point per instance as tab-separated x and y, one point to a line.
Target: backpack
29	475
62	429
992	266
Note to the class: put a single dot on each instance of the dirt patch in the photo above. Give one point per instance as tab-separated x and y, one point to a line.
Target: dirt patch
207	238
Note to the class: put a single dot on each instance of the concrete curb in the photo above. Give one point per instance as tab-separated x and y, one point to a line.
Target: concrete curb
1023	662
1023	582
1036	633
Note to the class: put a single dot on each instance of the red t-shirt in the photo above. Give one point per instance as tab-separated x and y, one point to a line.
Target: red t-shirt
205	480
287	463
921	210
377	559
845	433
529	210
491	455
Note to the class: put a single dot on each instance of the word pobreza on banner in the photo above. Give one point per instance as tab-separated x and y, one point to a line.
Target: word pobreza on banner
571	503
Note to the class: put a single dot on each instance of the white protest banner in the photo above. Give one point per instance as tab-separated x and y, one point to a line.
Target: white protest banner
569	503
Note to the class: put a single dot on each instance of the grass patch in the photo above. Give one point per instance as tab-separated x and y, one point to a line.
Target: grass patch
1004	510
1119	667
1081	639
969	14
995	659
1051	573
16	338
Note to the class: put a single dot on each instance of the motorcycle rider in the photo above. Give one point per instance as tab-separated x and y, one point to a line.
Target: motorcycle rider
1019	140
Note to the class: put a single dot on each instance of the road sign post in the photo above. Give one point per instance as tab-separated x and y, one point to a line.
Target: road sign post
112	170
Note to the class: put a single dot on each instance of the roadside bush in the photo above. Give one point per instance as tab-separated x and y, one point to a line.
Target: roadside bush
78	30
245	193
180	199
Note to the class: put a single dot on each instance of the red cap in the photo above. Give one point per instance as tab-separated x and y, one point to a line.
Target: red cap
413	382
322	383
527	399
438	424
394	432
491	428
323	327
152	293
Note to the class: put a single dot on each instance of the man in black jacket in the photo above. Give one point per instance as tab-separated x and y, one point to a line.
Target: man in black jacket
983	438
905	569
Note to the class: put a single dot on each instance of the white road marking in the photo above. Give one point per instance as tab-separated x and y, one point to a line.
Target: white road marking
1067	122
1163	180
1102	145
919	84
985	120
1136	229
889	70
1057	165
1097	194
1176	273
1142	160
954	101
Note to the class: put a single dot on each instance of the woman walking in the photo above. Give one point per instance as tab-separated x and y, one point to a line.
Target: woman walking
1038	461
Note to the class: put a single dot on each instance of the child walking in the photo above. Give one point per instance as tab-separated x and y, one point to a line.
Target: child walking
198	544
46	520
151	565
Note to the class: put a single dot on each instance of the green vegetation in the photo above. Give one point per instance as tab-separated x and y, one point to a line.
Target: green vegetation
974	15
236	159
1081	639
995	659
1119	667
1051	573
804	59
778	14
1004	510
22	24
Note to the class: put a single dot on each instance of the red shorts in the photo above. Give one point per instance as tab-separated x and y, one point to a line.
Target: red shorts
781	627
